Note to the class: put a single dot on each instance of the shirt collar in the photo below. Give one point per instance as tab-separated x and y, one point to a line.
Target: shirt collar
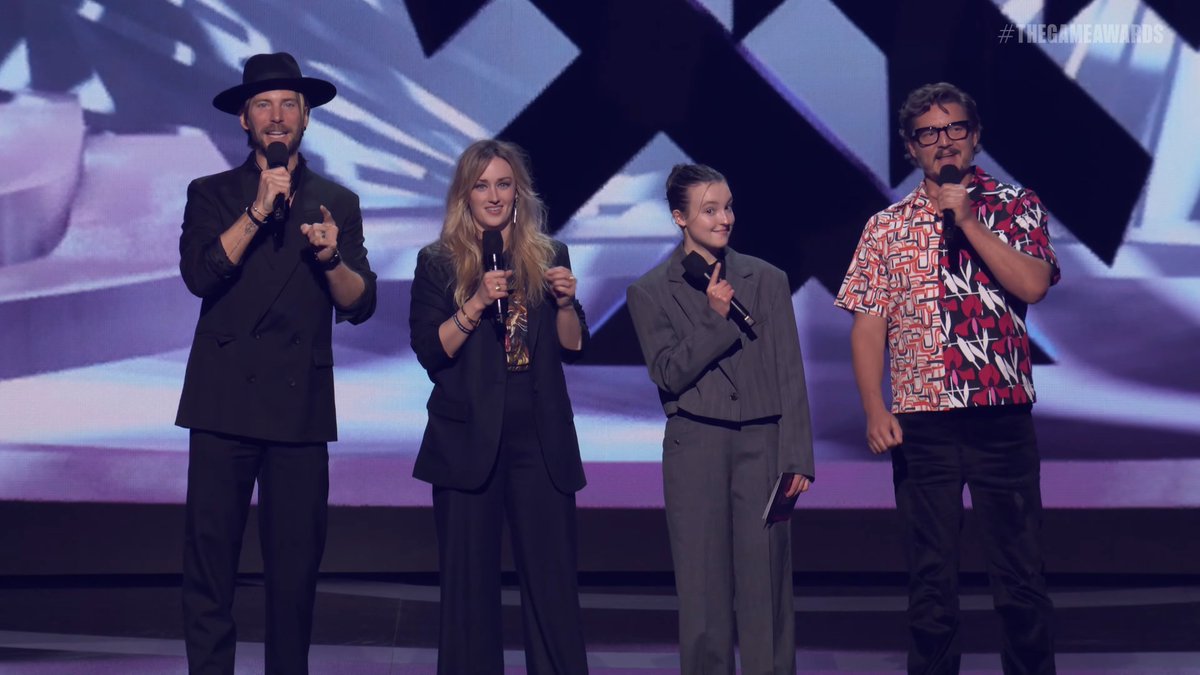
251	164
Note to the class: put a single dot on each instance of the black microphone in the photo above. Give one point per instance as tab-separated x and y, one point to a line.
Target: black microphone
697	272
493	259
277	156
949	174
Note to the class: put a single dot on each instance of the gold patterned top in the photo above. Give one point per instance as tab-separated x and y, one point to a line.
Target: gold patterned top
516	334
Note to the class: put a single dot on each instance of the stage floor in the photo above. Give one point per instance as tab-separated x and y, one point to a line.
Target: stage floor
388	625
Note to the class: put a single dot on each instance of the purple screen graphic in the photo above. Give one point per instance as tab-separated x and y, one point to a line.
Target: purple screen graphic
105	118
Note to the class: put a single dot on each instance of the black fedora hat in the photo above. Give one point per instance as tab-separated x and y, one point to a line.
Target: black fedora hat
265	72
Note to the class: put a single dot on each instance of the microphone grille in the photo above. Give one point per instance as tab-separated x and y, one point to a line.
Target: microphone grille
277	155
949	174
493	243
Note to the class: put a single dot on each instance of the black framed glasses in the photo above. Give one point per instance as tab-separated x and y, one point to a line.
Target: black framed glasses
955	131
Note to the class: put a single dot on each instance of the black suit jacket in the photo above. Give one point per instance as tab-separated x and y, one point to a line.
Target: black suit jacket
261	364
466	406
703	364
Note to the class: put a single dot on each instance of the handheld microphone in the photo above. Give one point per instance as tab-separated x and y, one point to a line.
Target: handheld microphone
949	174
277	156
493	260
697	272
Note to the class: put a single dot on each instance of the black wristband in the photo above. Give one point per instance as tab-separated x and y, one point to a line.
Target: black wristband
256	221
463	329
333	261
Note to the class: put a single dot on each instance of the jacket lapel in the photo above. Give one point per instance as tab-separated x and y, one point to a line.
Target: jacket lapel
690	300
283	250
745	286
533	315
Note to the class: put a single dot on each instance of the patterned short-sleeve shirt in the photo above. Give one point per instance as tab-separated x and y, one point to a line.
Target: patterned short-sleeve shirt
956	338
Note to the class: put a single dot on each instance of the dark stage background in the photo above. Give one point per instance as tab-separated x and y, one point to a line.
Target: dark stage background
105	117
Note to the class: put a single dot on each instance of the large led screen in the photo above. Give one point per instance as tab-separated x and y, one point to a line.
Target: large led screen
105	117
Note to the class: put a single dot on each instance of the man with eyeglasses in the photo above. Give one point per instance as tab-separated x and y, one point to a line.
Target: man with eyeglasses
942	280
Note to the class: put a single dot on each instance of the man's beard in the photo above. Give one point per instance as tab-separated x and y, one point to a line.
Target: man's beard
255	141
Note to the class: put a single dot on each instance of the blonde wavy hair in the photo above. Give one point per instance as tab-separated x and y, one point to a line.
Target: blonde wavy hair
530	249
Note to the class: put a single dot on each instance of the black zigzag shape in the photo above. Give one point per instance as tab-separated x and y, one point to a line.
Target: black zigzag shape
672	68
747	14
1062	11
1183	16
1037	122
436	21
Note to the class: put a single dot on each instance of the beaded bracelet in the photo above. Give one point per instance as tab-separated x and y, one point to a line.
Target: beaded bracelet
474	322
458	323
250	215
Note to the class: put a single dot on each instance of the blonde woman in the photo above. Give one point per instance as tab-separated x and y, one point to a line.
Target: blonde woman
500	442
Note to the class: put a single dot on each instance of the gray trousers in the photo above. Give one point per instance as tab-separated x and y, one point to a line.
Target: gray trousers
716	479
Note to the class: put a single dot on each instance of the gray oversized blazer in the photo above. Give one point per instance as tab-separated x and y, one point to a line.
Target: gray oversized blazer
705	365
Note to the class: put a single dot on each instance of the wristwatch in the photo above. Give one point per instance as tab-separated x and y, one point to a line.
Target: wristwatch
333	261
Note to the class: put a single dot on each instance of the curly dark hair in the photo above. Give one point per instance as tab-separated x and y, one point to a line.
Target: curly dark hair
921	99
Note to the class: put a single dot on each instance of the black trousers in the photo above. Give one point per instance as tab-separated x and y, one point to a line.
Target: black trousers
994	452
542	524
293	493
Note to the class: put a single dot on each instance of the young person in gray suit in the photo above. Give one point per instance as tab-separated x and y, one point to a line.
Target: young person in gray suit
737	417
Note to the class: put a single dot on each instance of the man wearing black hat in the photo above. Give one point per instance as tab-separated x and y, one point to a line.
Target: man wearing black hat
272	249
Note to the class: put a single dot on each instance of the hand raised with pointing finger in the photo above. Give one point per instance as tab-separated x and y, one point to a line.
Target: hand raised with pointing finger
322	236
719	292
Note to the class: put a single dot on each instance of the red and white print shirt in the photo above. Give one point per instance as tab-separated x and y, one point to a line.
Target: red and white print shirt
956	338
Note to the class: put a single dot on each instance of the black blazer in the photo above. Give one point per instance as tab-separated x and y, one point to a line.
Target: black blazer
261	364
466	406
703	364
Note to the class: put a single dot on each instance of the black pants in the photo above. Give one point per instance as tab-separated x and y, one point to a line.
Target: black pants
293	492
542	523
994	452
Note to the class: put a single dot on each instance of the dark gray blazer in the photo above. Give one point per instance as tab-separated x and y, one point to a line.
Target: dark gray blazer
703	364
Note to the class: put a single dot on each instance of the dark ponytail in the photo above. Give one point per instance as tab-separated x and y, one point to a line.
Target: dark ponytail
683	177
